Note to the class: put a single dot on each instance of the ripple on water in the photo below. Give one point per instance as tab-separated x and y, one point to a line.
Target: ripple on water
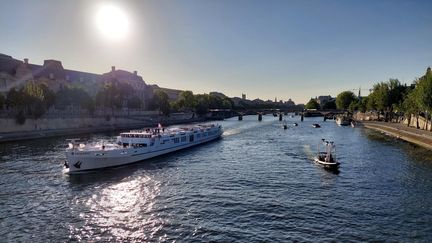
257	183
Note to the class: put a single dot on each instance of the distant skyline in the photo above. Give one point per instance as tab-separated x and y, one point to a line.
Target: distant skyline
264	49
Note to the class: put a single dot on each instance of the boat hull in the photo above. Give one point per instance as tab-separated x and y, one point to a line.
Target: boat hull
327	165
92	160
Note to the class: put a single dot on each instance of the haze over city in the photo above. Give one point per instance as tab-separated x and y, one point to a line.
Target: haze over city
265	49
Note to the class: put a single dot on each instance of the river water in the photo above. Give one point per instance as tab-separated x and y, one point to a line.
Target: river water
257	183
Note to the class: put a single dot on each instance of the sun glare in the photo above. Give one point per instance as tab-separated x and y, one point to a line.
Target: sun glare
112	22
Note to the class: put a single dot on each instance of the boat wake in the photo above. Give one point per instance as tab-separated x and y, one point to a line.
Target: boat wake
308	151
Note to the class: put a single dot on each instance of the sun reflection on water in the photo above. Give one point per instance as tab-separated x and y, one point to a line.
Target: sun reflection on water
123	211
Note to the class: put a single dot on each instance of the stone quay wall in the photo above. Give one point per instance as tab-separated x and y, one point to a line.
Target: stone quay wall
58	126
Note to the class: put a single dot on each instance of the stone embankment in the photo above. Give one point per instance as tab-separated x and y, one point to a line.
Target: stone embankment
60	126
420	137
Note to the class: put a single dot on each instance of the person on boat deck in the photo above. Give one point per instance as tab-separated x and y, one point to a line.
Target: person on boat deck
329	158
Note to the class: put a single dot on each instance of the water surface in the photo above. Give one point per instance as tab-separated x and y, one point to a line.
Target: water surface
257	183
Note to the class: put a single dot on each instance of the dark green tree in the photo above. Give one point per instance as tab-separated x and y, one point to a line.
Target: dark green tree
227	103
74	96
330	105
312	104
134	102
160	101
202	104
14	98
186	100
363	104
344	99
424	94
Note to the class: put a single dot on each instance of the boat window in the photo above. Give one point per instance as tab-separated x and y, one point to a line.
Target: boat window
176	140
183	139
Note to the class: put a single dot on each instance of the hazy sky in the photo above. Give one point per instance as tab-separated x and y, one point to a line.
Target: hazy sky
266	49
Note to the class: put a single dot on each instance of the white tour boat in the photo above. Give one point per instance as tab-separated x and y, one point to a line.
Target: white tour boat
327	158
138	145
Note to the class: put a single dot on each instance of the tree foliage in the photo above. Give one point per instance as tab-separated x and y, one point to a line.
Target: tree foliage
2	101
344	99
74	96
117	95
329	105
32	100
160	101
312	104
186	100
424	87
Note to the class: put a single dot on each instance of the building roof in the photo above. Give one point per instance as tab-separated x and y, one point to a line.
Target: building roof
8	64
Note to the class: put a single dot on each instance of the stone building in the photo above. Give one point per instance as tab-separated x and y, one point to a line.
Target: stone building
15	74
173	94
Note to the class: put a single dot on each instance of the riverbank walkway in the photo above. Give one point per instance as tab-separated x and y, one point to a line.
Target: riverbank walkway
420	137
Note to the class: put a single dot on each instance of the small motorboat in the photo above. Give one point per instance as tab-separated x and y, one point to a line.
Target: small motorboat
353	123
316	125
327	158
295	124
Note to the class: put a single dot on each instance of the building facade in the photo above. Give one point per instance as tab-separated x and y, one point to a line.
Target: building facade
15	74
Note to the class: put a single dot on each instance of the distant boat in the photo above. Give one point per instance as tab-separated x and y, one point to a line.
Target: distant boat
295	124
327	158
316	125
342	121
353	123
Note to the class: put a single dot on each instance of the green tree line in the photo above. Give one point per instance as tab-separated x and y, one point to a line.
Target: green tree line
391	99
188	102
33	100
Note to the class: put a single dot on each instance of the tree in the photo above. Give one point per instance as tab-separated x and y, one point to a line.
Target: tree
75	96
330	105
186	100
363	104
202	104
410	106
134	102
49	96
312	104
424	97
160	101
344	99
2	101
215	102
14	98
227	103
354	106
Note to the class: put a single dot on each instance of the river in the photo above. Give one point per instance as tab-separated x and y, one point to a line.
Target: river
256	183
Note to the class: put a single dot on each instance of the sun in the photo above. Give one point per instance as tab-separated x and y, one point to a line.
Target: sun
112	22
